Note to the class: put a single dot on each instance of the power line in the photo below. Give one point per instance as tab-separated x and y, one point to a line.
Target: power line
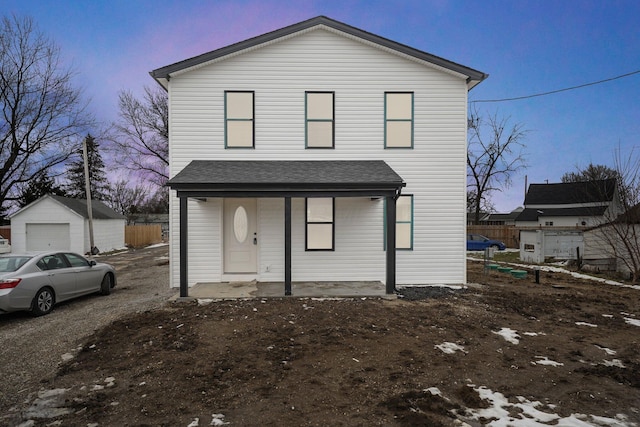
558	90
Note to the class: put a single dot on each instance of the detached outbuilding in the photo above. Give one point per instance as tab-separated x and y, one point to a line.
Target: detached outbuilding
62	223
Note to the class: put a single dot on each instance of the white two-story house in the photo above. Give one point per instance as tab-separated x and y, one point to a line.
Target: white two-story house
317	152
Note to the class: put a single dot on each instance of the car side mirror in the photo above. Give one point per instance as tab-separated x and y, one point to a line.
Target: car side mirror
92	263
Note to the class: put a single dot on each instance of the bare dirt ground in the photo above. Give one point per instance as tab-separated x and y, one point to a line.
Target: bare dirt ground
433	357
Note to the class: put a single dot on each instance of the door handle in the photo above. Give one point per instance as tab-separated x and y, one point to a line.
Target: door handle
255	238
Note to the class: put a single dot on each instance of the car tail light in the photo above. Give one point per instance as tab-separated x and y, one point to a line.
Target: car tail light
9	283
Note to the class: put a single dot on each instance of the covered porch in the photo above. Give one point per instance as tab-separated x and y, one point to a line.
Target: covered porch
204	179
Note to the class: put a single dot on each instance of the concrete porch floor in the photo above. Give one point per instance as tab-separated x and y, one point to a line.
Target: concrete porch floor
233	290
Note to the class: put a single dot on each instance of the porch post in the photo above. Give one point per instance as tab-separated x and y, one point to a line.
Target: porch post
184	284
287	245
391	245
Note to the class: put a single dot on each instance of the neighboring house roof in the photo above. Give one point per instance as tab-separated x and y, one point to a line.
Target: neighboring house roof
98	209
287	177
571	193
163	74
532	214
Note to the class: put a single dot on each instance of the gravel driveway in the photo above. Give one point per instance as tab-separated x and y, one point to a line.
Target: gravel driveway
31	348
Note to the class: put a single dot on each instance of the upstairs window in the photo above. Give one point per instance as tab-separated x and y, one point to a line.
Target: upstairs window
398	119
320	224
319	116
239	119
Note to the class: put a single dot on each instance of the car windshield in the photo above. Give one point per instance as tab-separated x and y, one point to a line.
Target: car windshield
12	263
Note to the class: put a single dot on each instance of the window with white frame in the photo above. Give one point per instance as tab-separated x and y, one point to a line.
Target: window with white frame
404	222
319	116
398	119
239	119
320	223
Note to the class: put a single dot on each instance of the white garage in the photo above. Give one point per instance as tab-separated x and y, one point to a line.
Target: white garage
62	223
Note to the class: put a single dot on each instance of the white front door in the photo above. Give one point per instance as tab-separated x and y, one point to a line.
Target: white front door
240	236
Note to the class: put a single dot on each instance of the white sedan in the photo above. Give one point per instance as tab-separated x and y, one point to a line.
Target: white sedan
36	282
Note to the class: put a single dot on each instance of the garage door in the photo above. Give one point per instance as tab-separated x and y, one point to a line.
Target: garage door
48	237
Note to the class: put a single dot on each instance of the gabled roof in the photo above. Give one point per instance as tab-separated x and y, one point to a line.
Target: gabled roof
214	178
98	209
163	74
571	193
532	214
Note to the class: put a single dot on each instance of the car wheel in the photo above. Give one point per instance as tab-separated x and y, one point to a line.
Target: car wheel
496	247
105	286
43	302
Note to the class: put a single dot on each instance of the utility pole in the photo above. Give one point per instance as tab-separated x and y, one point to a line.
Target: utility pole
87	184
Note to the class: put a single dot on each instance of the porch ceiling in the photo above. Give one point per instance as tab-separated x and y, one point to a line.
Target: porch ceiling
282	178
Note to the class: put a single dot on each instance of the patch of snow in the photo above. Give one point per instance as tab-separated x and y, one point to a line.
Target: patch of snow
449	347
205	301
194	423
157	245
606	350
509	334
218	420
552	269
634	322
525	413
435	391
608	315
49	404
544	360
614	362
533	334
591	325
66	357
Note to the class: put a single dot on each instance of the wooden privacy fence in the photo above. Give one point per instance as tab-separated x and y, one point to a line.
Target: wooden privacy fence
142	235
5	231
508	234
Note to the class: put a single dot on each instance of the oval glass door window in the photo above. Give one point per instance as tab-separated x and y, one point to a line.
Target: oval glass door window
240	224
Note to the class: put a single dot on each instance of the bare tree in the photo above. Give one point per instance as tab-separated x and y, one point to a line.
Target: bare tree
141	134
494	153
41	114
590	173
126	199
619	236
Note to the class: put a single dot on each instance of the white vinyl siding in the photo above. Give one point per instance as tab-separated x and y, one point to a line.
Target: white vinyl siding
319	119
359	75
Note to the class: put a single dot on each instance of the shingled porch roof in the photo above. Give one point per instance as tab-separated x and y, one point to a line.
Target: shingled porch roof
229	178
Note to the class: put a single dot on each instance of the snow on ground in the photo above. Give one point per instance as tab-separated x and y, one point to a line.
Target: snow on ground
508	334
449	347
555	269
591	325
544	360
526	413
634	322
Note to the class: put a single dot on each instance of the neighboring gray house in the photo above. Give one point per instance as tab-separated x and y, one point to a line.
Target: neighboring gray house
317	152
573	204
62	223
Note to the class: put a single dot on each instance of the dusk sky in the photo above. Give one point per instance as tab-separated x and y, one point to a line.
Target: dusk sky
526	47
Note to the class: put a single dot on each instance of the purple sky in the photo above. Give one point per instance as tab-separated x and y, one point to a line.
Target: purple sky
527	47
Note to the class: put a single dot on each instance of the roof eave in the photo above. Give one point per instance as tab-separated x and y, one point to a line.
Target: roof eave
163	74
